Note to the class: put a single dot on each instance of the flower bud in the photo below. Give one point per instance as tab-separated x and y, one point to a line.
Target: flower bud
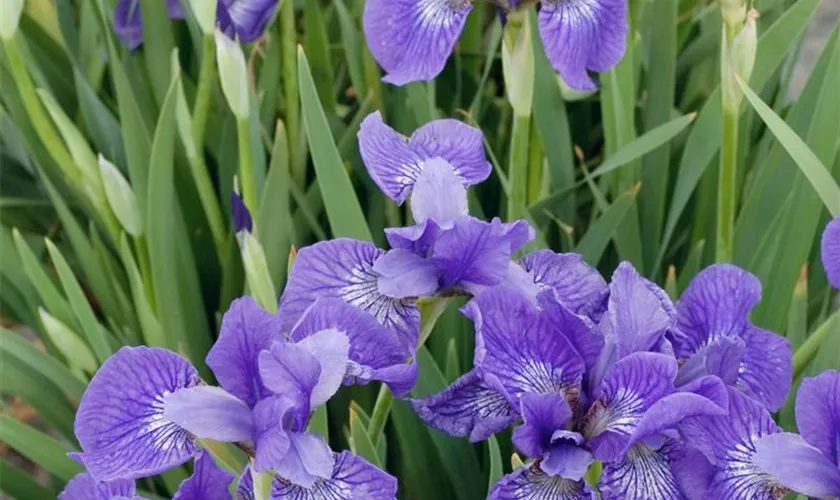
734	12
518	62
253	256
233	74
739	59
70	344
205	14
10	11
120	197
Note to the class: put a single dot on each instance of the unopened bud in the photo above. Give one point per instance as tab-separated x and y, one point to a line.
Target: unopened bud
233	74
518	62
10	11
739	59
205	14
120	197
69	343
734	12
256	271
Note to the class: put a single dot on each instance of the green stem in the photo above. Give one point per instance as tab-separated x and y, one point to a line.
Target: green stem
37	114
535	165
808	350
206	81
246	166
518	166
381	409
290	87
727	178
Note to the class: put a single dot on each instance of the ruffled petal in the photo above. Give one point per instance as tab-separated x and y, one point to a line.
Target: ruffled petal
633	386
207	482
404	274
120	423
468	407
343	269
438	194
461	145
352	478
518	350
246	330
797	465
308	461
424	30
246	18
580	332
766	371
392	164
575	283
729	442
670	472
534	484
271	438
418	238
209	413
818	412
543	414
375	352
84	487
331	348
583	34
669	411
716	303
830	250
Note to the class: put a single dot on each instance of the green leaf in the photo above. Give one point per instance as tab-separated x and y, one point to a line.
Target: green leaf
352	49
275	228
39	448
317	46
95	333
158	43
41	362
69	343
360	442
320	422
20	484
152	332
343	209
596	239
818	175
496	468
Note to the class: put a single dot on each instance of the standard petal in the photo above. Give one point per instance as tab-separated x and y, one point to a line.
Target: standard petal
797	465
375	352
389	160
766	371
404	274
575	283
543	414
209	413
291	371
830	250
352	478
716	303
247	329
461	145
418	238
583	34
120	423
729	442
424	30
468	407
633	386
532	483
331	348
207	482
128	24
669	411
246	18
818	412
271	439
308	461
580	332
343	269
518	350
438	194
84	487
647	473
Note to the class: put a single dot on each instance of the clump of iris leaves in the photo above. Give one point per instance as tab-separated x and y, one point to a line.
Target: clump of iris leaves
627	173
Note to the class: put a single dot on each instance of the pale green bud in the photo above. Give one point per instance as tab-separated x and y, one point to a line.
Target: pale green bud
120	197
256	271
10	11
739	59
233	74
205	14
734	12
69	343
518	62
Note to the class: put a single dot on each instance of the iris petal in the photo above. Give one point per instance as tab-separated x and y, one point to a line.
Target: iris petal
352	478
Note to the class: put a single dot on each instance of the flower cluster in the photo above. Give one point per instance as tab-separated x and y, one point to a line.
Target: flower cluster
245	19
578	35
671	401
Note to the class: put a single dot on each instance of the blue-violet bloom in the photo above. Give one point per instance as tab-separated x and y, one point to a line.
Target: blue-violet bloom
830	249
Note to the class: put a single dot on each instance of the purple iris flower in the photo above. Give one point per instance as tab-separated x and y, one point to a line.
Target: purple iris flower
243	19
145	407
831	252
412	39
447	249
207	482
715	337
